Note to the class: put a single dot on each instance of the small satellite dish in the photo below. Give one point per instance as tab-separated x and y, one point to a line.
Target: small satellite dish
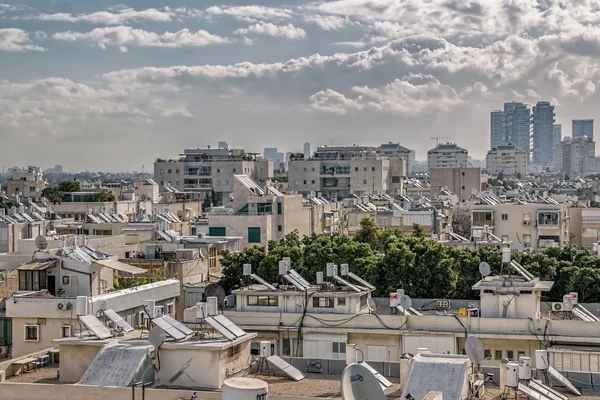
41	242
203	252
474	349
405	301
371	304
484	268
358	383
157	336
215	290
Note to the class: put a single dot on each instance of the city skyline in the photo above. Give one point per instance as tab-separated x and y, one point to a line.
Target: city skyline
86	82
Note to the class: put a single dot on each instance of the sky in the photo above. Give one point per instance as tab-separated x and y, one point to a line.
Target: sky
97	85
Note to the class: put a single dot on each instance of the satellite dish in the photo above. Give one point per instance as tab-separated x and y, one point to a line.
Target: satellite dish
203	252
358	383
474	349
157	336
371	304
484	268
41	242
215	290
405	302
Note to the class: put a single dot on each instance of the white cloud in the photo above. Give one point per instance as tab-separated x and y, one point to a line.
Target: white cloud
109	18
328	22
13	39
357	45
288	31
123	49
127	36
252	13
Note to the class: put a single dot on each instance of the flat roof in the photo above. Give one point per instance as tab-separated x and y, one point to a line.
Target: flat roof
38	265
262	290
512	281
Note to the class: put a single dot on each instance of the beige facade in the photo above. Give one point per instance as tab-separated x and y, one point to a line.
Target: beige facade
584	226
26	182
460	181
571	153
507	159
447	155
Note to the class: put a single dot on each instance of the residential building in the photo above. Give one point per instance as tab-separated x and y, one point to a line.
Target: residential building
258	215
27	182
583	127
306	150
463	182
270	153
447	155
517	124
58	169
508	160
203	171
392	217
571	154
394	150
543	133
557	136
16	226
339	172
223	145
497	128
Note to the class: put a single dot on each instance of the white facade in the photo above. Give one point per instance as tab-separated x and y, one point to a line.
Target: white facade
447	155
26	182
508	160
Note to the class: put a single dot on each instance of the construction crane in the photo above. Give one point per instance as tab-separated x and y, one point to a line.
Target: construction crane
437	139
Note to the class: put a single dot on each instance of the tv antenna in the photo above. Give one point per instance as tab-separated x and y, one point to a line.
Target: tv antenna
358	383
437	139
371	305
484	269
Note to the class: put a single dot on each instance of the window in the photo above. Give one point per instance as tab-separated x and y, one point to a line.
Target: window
217	231
591	232
498	354
280	208
177	183
338	347
65	331
504	238
377	353
521	354
482	217
65	280
364	181
32	280
171	309
219	170
304	182
176	171
504	217
304	169
373	169
395	179
365	169
463	174
169	171
279	228
355	169
548	218
463	187
32	333
184	256
323	302
341	301
233	351
162	183
526	238
32	188
286	347
510	355
234	171
487	354
253	235
312	182
263	301
313	170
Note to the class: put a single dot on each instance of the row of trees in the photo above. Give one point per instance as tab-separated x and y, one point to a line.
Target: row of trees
424	268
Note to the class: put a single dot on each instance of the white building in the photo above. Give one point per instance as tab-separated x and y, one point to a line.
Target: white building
447	155
508	160
27	183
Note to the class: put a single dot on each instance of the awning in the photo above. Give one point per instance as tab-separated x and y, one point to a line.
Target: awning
119	266
38	265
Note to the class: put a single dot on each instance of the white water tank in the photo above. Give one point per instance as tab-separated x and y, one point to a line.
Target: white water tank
351	354
265	349
541	360
212	306
150	306
245	389
201	310
525	368
512	375
81	305
393	300
503	364
319	277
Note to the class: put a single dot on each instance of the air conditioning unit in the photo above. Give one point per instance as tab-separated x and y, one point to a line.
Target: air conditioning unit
558	307
442	304
526	222
60	306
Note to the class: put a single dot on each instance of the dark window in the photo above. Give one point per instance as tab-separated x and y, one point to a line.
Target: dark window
217	231
304	182
504	217
280	207
372	168
32	280
341	301
253	235
395	179
510	355
263	301
234	170
356	169
32	332
286	347
323	302
487	354
498	354
279	228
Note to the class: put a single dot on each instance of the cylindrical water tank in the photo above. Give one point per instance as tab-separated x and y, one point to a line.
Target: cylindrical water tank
81	305
351	354
212	306
265	349
393	300
503	364
245	389
525	368
201	310
512	375
319	277
541	360
150	308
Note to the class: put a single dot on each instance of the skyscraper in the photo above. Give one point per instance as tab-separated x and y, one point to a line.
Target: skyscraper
307	150
583	127
543	133
223	145
497	128
557	138
270	153
517	125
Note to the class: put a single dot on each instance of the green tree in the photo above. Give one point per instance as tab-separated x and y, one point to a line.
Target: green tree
586	282
368	232
418	231
53	195
232	265
69	186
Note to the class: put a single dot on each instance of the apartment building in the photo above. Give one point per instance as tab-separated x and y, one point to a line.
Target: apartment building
27	182
204	170
447	155
339	172
543	133
583	127
533	225
508	160
258	215
395	150
571	154
463	182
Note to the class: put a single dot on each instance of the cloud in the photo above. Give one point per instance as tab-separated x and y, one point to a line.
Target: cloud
127	36
288	31
328	22
252	13
108	18
13	39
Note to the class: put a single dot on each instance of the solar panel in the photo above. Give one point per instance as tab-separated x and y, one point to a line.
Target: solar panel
521	270
283	366
220	328
262	281
382	380
294	282
97	327
531	393
38	216
538	386
94	219
346	283
168	328
164	236
299	277
28	218
360	280
178	325
116	318
275	191
230	326
18	217
559	377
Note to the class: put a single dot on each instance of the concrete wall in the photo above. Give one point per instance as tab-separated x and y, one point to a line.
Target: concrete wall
75	360
49	330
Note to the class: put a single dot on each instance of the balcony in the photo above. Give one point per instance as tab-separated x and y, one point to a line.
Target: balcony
482	218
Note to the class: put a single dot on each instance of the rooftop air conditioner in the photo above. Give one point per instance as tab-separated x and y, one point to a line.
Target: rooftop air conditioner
557	307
